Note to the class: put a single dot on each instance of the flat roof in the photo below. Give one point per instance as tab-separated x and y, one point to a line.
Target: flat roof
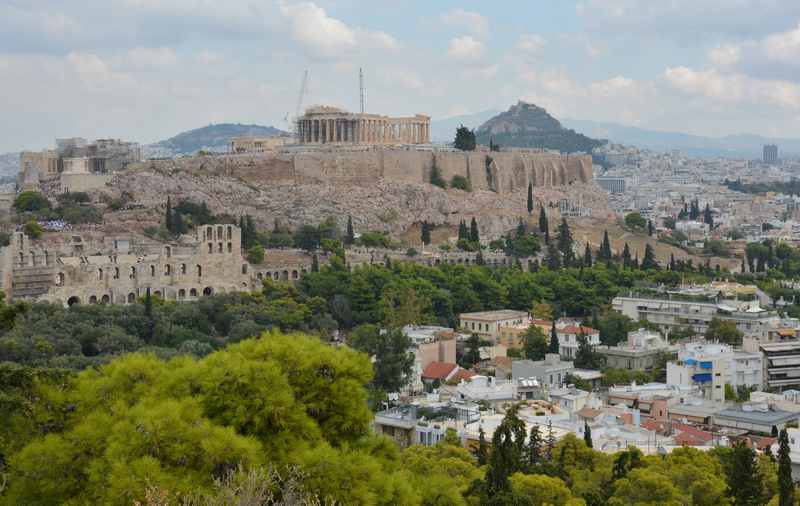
765	417
500	314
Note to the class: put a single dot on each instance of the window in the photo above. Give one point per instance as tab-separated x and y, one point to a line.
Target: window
167	270
219	247
210	248
199	271
183	268
153	270
244	268
116	272
100	274
133	273
230	247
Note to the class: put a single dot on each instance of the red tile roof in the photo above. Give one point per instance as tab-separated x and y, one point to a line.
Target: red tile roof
462	374
438	370
694	432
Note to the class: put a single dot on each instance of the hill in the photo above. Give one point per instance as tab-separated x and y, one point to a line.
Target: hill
9	164
208	138
526	125
743	145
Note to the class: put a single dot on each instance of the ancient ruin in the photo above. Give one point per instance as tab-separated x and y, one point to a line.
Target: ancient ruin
331	125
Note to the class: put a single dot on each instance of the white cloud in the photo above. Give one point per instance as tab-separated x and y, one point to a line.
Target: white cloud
319	34
783	46
724	55
465	48
471	21
377	40
733	88
207	57
531	43
96	75
146	57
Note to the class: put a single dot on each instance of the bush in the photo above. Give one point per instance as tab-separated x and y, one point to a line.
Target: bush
461	183
5	238
255	255
375	240
411	252
635	221
33	229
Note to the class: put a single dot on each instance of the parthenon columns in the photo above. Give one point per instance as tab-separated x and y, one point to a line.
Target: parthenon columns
350	128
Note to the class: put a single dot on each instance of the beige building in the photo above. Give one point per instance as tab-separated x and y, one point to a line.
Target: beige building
488	323
330	125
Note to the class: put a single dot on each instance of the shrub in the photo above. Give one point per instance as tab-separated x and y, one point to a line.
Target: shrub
30	201
461	183
255	255
33	229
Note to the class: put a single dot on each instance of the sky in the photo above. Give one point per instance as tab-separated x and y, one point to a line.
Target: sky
145	70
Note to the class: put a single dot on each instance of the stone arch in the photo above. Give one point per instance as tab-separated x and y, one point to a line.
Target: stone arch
21	259
295	274
193	292
183	268
132	275
219	247
285	275
244	268
260	276
60	279
230	247
131	298
182	293
230	232
93	299
116	272
73	301
167	270
199	271
100	274
276	275
219	232
210	248
105	299
152	271
168	251
207	291
32	259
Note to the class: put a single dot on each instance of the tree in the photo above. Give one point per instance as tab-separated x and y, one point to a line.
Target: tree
605	253
255	255
554	346
306	238
587	434
31	201
694	210
649	262
459	182
315	263
530	197
474	235
708	216
627	262
482	453
505	458
168	215
744	489
392	361
463	231
473	351
544	226
650	229
465	139
585	356
33	230
587	256
635	221
724	331
534	448
553	257
535	343
425	235
178	225
350	235
785	481
436	178
565	243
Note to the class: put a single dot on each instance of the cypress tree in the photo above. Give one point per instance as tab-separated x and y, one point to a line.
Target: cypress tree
743	488
534	448
649	261
650	228
605	249
474	236
178	225
672	262
426	233
553	346
587	434
564	241
587	256
785	482
544	226
350	235
553	257
479	258
626	257
482	450
463	233
314	263
168	216
708	217
551	440
530	198
522	230
148	304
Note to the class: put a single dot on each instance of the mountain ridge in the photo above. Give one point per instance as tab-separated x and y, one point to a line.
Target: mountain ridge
213	137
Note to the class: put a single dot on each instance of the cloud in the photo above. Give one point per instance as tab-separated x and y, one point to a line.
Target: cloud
724	55
96	74
377	40
784	46
471	21
206	57
531	43
733	88
149	57
465	48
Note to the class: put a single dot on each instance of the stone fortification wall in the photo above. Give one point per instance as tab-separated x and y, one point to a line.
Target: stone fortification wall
502	172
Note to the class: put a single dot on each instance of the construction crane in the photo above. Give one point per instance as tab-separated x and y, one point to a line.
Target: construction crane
292	122
361	90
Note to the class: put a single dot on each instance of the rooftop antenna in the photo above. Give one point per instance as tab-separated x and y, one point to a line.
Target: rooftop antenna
361	88
303	86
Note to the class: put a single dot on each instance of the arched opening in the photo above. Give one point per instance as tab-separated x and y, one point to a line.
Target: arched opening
230	232
153	271
157	293
21	259
131	298
219	232
74	300
168	251
285	275
276	275
219	247
60	279
183	268
199	271
46	258
116	272
230	247
93	299
244	268
32	259
181	293
133	273
260	276
295	275
100	274
193	292
210	248
105	299
207	291
167	270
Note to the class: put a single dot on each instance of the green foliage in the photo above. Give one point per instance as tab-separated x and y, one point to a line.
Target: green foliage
255	255
33	230
376	240
535	343
635	221
460	183
31	201
724	331
390	349
436	178
465	139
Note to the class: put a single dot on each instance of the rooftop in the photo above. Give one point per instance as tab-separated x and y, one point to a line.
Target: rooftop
500	314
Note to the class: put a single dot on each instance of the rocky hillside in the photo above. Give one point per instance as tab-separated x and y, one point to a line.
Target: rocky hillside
209	138
529	126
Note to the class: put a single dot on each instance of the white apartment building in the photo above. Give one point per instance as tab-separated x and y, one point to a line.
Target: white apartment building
568	339
710	366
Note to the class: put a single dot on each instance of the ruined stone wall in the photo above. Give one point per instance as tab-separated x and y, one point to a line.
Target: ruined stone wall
502	172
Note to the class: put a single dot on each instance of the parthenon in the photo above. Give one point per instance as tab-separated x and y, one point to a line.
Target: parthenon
329	125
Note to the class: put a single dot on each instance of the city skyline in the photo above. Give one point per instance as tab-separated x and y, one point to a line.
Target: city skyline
145	70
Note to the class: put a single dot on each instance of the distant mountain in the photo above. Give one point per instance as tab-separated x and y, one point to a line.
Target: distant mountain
444	130
526	125
209	138
9	164
744	146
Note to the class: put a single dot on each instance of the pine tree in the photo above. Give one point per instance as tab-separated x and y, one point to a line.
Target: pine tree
553	346
148	304
168	216
626	257
587	434
708	217
605	249
650	228
426	233
463	232
474	236
551	440
530	198
350	235
544	226
564	241
743	488
314	263
553	257
534	448
479	260
178	225
587	256
785	482
482	450
465	139
522	230
649	262
672	262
